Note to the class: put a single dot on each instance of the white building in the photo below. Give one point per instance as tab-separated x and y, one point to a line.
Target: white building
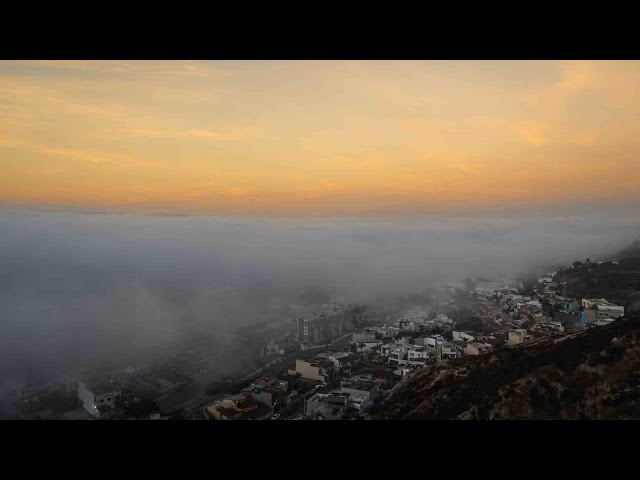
92	401
602	309
609	311
361	393
326	406
433	341
442	318
462	337
363	347
448	350
417	355
398	355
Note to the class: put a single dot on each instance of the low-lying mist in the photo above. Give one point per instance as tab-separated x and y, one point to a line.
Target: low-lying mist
75	286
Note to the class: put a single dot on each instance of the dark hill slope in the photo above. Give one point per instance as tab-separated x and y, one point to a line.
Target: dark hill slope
594	374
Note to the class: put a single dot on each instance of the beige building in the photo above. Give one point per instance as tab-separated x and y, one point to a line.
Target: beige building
518	336
318	369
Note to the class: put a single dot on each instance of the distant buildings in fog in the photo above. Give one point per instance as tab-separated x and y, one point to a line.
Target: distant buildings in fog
328	322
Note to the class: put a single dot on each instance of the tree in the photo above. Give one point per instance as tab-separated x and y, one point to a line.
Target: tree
528	284
142	406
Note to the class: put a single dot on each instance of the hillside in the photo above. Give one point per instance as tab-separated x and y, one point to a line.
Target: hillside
617	279
594	374
632	251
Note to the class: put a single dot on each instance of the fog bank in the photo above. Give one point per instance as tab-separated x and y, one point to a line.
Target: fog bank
75	286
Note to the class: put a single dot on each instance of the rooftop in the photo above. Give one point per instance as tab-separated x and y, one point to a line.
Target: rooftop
359	385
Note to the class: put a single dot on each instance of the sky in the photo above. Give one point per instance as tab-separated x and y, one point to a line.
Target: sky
319	137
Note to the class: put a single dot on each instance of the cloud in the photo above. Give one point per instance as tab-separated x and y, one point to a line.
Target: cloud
181	68
531	133
585	139
237	191
90	156
416	131
237	134
577	77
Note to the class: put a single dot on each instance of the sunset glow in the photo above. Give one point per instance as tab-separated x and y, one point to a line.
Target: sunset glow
318	137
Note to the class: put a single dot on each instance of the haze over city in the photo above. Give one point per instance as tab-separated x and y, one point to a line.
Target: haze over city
147	203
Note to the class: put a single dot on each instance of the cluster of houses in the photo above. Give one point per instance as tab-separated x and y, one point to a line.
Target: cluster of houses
345	384
352	399
346	394
522	319
415	340
255	402
420	337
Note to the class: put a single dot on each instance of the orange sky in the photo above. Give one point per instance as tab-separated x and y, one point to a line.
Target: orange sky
317	136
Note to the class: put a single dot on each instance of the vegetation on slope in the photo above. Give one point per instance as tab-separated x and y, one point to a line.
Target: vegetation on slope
594	374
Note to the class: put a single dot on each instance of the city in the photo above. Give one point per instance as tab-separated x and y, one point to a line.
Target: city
336	362
283	239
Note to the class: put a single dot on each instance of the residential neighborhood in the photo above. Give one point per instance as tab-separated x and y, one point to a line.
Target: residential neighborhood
334	362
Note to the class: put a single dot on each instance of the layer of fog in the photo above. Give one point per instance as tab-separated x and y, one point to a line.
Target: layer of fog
76	286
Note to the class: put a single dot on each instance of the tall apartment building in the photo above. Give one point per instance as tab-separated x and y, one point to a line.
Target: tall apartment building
329	322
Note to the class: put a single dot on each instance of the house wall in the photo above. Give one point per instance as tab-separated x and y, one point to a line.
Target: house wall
605	311
363	337
107	399
308	371
461	336
366	395
88	400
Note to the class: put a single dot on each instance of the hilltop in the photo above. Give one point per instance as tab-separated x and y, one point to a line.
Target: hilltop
617	279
